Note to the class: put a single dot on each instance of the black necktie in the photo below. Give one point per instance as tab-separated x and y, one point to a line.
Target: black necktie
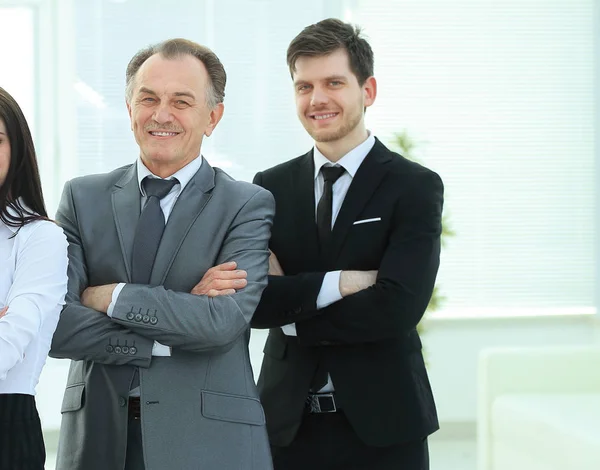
149	230
324	216
330	175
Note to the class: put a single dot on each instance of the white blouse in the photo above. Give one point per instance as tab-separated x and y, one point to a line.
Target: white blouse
33	284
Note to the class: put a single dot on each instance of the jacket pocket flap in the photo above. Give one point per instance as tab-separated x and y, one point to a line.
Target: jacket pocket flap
275	347
232	408
73	399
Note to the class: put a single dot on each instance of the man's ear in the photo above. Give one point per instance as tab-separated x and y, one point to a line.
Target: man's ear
370	91
129	112
215	116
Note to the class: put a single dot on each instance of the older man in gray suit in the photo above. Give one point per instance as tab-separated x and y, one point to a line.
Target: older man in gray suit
161	376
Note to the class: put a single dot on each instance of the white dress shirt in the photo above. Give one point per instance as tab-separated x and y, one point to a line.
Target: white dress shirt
184	176
33	284
330	289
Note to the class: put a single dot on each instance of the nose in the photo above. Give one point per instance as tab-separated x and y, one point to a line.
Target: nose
318	97
162	113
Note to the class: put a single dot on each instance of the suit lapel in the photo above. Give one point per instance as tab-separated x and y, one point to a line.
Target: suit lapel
186	210
365	182
126	212
304	208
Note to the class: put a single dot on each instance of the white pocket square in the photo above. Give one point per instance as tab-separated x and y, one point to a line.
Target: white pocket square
366	221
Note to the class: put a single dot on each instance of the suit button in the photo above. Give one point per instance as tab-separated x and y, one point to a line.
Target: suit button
132	350
146	319
298	310
109	348
153	320
117	349
138	317
125	349
325	343
122	402
130	316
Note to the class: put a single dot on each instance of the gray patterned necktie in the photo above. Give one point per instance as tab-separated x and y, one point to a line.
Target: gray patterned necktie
148	232
150	228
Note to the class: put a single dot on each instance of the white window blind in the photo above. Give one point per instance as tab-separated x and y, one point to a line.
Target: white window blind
501	96
259	128
17	64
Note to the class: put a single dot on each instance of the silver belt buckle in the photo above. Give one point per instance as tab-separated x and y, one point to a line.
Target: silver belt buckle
315	403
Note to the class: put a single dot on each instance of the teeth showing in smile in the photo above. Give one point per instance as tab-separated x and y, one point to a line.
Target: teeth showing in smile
324	116
164	134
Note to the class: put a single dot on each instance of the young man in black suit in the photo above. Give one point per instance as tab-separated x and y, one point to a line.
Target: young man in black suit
355	252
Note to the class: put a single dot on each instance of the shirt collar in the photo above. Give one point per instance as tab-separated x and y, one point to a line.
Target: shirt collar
184	175
350	162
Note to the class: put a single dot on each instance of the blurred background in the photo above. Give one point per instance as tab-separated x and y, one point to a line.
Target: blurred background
501	98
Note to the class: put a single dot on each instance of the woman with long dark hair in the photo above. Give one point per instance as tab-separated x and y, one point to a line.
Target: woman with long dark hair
33	283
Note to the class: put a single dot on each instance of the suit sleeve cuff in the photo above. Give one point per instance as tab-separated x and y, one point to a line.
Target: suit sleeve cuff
289	330
115	297
159	349
330	290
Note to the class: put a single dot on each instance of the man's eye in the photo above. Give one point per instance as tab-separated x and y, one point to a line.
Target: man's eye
335	83
182	103
148	99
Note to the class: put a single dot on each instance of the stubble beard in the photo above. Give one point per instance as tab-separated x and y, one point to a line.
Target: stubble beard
346	128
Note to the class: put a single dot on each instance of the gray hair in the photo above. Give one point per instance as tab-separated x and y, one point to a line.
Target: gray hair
174	48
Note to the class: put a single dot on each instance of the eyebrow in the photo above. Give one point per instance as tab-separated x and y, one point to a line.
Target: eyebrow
326	79
177	93
2	133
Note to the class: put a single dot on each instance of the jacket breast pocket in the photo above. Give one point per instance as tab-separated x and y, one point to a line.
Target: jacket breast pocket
74	398
232	408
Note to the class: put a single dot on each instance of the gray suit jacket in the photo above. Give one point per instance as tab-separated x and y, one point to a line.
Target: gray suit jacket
200	407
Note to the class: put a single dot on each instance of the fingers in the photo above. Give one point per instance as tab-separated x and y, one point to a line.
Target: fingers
223	279
3	311
228	275
223	284
216	293
229	266
274	266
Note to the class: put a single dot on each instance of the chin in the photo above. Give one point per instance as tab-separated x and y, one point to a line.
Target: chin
326	136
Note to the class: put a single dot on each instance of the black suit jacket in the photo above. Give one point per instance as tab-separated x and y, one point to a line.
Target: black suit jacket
368	340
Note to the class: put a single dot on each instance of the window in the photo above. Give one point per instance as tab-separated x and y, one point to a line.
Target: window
502	97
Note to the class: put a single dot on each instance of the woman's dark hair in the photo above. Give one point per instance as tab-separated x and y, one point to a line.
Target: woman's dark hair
21	191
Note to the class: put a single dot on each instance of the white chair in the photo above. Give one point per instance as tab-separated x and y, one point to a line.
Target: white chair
539	409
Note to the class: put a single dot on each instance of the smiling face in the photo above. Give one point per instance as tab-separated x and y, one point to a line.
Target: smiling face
329	101
169	112
4	152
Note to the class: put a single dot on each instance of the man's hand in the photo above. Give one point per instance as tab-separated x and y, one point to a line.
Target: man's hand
274	266
352	282
3	311
98	297
223	279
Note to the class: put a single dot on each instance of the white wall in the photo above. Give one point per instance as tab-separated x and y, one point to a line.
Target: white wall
452	348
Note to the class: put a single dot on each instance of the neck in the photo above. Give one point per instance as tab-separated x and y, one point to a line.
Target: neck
336	149
164	170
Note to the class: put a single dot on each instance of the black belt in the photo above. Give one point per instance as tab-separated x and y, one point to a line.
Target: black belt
321	403
134	407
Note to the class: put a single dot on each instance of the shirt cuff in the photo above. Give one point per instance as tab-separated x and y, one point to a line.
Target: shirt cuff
330	290
289	330
160	349
115	296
